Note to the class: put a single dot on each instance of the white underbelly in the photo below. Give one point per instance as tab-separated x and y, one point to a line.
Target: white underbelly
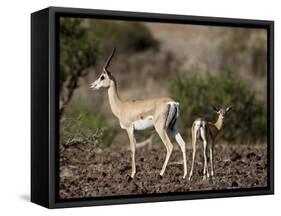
144	124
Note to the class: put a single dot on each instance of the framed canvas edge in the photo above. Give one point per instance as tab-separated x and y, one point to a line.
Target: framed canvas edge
54	11
39	164
160	17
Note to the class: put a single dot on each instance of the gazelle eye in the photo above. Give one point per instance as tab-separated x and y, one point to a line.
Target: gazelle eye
102	78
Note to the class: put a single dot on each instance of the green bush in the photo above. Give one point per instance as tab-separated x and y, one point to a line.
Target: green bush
133	36
71	135
246	123
89	128
244	49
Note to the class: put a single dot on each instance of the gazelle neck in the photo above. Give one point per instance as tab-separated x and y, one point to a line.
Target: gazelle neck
114	100
219	123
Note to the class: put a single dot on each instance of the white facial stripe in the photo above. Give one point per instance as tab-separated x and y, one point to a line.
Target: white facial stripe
102	81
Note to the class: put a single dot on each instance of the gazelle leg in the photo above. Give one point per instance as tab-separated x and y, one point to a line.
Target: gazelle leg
132	139
169	147
194	139
211	148
205	170
205	143
181	143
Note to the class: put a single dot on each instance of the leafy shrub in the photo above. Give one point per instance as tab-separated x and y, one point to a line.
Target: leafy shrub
133	36
81	126
244	49
77	54
71	135
246	123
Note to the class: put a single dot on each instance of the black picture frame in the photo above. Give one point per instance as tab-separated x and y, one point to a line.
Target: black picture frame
45	97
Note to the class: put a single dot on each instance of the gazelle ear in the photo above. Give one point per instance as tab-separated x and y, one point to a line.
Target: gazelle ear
215	109
108	73
228	109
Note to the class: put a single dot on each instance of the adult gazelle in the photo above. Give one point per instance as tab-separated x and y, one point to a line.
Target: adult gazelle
159	113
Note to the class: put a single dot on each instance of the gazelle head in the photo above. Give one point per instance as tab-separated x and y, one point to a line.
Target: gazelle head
222	112
105	79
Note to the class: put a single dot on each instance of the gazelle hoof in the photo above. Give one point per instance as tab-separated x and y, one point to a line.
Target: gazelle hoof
132	175
129	178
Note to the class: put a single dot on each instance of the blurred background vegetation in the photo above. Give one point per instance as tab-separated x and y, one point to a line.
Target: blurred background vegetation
247	121
198	66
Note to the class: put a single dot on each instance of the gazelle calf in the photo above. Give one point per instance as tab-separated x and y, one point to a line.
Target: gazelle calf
207	132
158	113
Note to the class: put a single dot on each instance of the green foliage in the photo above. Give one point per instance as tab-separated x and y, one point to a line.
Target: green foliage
128	36
137	36
77	51
244	49
72	135
82	123
246	123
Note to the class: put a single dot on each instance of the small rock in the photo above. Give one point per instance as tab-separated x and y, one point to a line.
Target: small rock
251	155
90	179
234	156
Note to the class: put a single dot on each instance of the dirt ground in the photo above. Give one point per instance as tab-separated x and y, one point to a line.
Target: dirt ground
98	173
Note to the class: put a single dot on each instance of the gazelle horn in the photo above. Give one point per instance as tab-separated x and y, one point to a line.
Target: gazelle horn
109	59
